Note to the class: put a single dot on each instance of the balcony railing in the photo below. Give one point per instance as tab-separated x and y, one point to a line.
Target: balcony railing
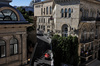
90	19
86	40
86	53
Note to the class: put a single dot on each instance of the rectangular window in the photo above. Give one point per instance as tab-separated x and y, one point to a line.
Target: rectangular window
44	28
2	51
13	49
47	10
48	30
39	27
44	11
48	21
41	11
48	26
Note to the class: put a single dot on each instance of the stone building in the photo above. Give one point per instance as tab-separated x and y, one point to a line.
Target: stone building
43	11
72	17
13	47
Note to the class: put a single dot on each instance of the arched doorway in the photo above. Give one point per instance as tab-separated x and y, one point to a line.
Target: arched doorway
64	30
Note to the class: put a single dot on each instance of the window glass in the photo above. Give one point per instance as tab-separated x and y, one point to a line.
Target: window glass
11	49
13	46
2	49
15	49
44	11
13	16
2	43
64	30
50	10
47	10
62	12
1	19
65	12
48	30
44	28
7	18
7	12
69	12
1	15
41	11
44	20
8	15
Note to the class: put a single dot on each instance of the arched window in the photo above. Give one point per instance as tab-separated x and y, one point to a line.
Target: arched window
65	12
69	10
62	13
8	15
50	10
64	30
2	48
13	46
47	10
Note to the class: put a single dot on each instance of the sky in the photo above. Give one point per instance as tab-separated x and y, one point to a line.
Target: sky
20	2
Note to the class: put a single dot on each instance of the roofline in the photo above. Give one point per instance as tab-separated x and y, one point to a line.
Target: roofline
43	2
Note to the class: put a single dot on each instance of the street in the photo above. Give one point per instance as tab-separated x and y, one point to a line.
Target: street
43	62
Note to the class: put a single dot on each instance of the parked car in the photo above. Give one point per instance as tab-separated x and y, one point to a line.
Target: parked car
47	56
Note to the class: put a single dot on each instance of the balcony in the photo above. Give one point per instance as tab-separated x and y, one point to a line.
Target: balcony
87	40
90	19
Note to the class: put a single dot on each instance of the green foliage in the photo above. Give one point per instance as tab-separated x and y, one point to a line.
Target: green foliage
25	14
27	17
65	50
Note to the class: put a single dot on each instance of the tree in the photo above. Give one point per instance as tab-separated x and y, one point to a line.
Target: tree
65	50
30	30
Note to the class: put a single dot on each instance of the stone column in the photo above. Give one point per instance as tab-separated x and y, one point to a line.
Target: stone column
7	50
24	49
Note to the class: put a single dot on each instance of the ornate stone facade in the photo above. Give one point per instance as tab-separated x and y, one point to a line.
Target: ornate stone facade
74	17
13	47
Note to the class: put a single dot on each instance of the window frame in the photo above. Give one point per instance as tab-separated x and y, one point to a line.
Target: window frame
47	10
10	16
69	11
62	12
13	47
65	12
4	50
50	10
